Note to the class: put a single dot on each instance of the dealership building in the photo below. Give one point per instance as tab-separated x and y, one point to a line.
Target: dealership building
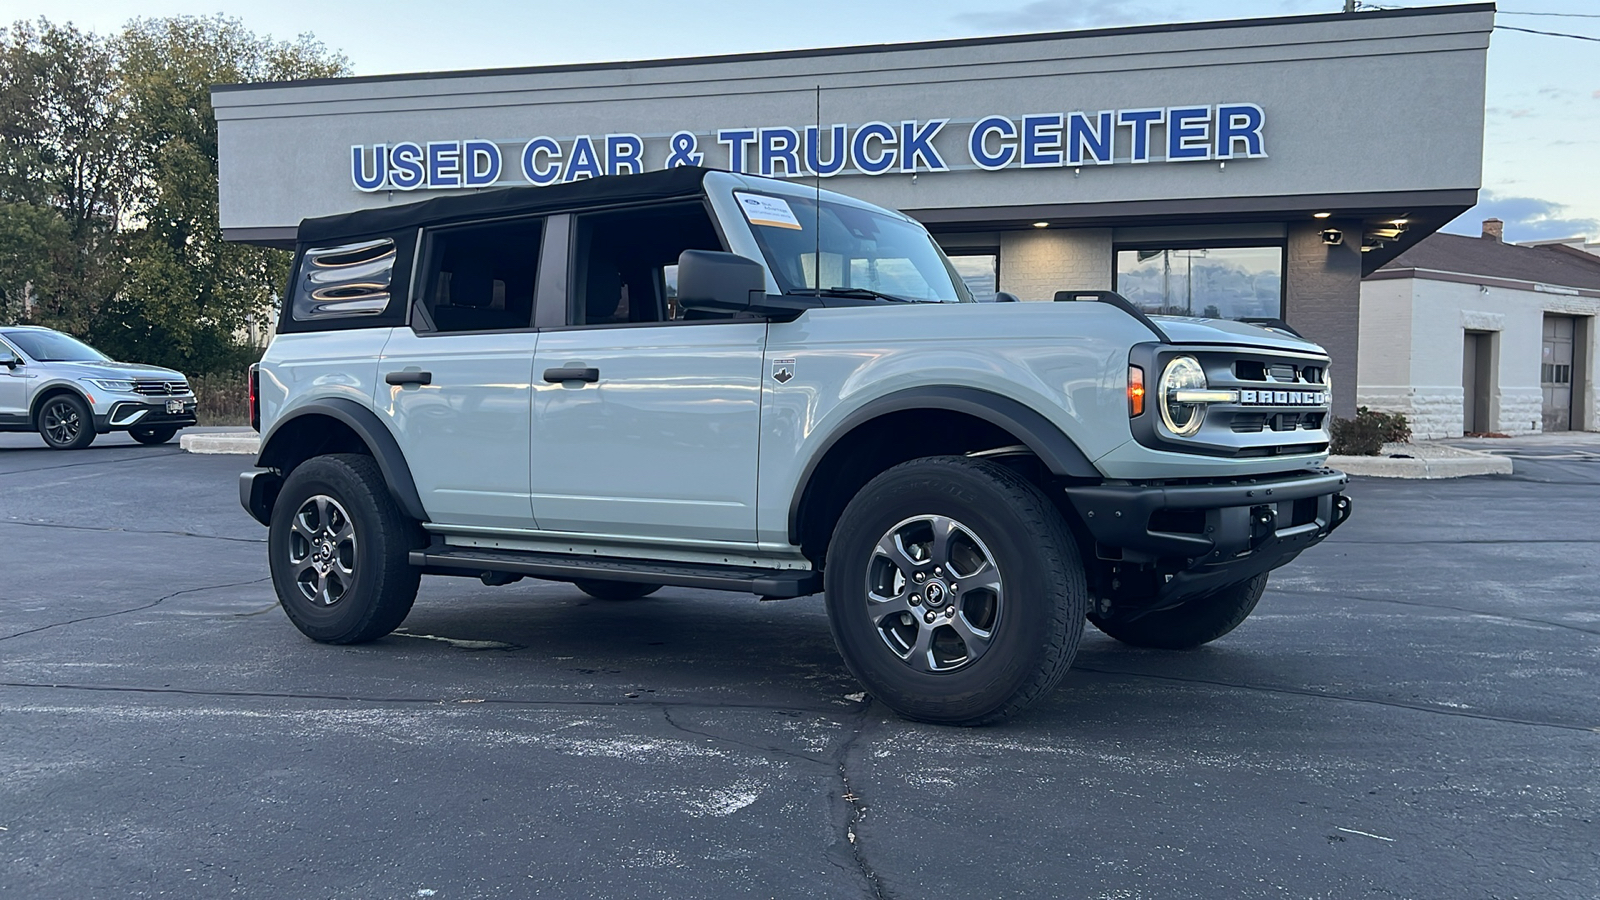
1249	169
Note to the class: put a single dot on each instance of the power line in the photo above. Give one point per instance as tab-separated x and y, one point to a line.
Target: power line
1576	37
1513	12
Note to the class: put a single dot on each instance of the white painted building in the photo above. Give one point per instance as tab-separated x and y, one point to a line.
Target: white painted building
1472	335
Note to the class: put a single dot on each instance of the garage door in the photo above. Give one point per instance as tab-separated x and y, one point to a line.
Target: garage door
1555	374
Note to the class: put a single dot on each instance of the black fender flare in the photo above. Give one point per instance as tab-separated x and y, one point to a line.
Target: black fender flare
370	429
1041	436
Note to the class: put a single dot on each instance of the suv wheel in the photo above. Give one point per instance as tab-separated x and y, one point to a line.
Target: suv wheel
64	423
153	435
1191	623
338	547
954	591
616	590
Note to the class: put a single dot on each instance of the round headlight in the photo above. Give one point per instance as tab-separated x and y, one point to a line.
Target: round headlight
1182	374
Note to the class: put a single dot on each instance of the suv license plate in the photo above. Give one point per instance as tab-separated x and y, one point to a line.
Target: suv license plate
174	407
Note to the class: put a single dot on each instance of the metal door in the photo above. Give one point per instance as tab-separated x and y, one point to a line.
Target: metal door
1477	382
1555	372
14	380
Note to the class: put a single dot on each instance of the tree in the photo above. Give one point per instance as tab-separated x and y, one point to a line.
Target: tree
189	293
64	174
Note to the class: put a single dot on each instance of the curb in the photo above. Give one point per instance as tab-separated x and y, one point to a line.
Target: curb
1446	467
242	443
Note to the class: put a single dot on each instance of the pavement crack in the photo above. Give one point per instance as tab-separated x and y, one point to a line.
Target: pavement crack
1346	698
122	612
1421	605
95	462
415	701
111	530
854	809
666	713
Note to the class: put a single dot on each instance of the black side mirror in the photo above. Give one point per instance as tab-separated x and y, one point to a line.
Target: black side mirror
1005	297
10	362
720	282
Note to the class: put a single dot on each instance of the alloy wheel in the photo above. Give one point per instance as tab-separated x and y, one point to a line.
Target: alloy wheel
62	422
322	550
934	593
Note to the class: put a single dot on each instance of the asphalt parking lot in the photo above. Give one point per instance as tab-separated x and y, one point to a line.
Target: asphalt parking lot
1411	713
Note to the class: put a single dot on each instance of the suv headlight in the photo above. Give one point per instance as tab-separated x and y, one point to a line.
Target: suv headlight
1183	396
115	387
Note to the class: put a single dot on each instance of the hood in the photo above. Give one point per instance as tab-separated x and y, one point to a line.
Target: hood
1186	330
87	369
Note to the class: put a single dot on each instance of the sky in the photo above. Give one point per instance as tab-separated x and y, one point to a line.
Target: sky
1542	130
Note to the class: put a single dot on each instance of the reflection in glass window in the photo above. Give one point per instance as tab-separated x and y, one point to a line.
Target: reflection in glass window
343	281
1218	283
981	272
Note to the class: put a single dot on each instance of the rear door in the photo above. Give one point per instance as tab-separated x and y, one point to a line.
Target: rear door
456	381
646	421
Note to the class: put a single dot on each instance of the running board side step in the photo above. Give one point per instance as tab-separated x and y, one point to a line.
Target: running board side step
772	584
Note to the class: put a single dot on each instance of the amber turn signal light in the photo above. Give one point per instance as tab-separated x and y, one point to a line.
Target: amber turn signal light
1135	391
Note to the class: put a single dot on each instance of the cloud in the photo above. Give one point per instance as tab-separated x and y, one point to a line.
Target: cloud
1526	218
1053	15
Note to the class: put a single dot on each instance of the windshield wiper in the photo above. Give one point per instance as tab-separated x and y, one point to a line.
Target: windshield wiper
863	293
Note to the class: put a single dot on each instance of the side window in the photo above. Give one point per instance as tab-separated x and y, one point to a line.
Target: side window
481	277
626	262
344	281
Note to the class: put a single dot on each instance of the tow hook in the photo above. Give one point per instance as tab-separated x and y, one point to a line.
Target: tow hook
1263	524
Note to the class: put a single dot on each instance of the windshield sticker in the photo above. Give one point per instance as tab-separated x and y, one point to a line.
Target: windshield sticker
773	212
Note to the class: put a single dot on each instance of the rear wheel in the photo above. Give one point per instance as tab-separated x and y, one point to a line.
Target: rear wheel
616	590
954	591
1191	623
152	436
65	424
339	549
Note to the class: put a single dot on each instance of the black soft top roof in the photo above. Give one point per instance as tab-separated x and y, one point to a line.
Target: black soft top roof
677	182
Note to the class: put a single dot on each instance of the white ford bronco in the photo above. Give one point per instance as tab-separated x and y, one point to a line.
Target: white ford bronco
719	381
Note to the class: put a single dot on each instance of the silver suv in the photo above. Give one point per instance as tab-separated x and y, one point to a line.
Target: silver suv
712	380
69	392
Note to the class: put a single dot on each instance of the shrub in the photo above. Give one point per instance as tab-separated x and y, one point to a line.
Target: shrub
222	399
1366	434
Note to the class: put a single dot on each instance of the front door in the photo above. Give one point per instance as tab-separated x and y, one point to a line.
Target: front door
1555	372
645	421
456	382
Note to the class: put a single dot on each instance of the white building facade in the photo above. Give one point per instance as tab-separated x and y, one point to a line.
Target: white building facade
1471	336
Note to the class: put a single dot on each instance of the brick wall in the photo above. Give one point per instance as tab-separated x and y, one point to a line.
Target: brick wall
1323	300
1036	263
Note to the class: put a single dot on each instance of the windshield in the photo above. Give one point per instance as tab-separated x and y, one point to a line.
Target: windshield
53	346
863	251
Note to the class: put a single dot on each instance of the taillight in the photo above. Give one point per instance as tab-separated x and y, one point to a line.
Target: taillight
1135	391
255	397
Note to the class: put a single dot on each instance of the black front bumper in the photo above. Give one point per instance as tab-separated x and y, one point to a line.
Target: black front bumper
1197	537
126	415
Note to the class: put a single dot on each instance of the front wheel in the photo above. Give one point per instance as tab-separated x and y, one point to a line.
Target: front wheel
153	436
954	592
339	547
1191	623
65	424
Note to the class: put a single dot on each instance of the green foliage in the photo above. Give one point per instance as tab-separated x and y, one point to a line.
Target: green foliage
1366	434
108	186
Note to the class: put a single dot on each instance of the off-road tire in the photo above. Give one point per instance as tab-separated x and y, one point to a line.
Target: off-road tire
616	590
1191	624
153	436
65	423
384	584
1044	591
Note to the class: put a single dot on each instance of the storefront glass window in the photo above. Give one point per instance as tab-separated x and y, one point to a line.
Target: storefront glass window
981	272
1215	282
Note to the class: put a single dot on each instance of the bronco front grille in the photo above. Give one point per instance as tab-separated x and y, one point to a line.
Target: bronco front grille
1282	403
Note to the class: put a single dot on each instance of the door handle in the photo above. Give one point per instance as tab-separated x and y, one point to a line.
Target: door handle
409	377
573	373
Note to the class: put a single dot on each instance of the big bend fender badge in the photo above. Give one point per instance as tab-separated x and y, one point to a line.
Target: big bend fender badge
782	370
